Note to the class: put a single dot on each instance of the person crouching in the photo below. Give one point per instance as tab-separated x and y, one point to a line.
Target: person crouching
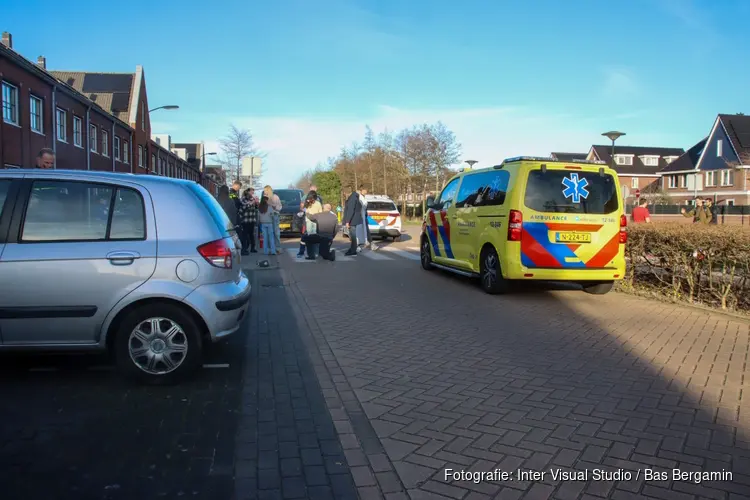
327	227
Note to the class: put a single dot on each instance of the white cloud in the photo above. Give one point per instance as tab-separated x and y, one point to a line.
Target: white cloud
488	135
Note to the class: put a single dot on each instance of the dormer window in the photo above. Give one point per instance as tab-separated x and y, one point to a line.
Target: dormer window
650	160
624	159
670	159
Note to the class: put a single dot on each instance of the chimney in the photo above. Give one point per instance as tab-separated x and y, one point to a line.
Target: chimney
41	61
7	39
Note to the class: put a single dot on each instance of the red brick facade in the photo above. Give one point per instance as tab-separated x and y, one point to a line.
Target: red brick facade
83	135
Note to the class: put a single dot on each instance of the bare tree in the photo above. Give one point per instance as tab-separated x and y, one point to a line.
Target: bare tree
236	145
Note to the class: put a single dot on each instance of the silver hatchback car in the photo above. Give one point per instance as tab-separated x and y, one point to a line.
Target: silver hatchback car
145	267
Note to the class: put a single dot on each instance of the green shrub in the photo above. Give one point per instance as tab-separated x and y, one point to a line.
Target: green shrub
709	265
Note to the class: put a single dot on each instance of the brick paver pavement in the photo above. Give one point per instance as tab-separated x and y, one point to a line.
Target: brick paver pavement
431	374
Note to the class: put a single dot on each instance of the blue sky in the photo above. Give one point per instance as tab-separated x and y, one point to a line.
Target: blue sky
507	77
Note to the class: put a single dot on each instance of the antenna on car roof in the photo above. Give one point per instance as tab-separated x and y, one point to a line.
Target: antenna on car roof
601	171
544	168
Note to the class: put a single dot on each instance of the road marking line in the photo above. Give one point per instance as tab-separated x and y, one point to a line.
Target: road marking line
216	365
43	369
374	255
401	253
413	248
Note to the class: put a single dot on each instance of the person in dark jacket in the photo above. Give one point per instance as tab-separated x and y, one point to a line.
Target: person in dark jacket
248	217
711	211
353	218
228	204
328	226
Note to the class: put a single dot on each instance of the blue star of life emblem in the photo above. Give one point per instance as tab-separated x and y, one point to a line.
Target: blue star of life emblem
496	183
575	188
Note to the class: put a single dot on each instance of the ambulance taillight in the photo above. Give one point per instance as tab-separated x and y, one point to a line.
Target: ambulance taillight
515	225
623	229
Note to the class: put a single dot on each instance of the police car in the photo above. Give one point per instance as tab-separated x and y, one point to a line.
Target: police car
383	217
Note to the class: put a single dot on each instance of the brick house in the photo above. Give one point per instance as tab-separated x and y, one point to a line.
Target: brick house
717	167
638	167
92	121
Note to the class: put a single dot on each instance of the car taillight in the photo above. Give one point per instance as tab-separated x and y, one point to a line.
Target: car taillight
623	229
515	224
217	253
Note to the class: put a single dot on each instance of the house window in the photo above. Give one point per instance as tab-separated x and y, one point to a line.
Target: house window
105	143
623	160
92	138
719	147
143	116
36	113
153	163
683	180
140	155
727	178
10	103
650	161
62	125
730	203
125	155
672	181
634	183
670	159
710	178
77	132
117	148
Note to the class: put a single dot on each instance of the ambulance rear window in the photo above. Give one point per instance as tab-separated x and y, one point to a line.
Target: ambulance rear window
381	206
568	191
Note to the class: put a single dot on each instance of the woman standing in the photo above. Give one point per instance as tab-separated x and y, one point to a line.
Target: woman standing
275	205
265	216
312	207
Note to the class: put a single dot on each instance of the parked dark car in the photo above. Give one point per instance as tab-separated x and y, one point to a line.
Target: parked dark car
289	224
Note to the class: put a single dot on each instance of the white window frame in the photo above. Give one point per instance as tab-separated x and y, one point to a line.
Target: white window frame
36	119
646	159
627	160
153	162
710	178
719	147
77	131
62	125
726	178
117	144
140	155
670	159
93	137
125	155
634	183
105	143
672	181
11	105
729	202
143	116
682	180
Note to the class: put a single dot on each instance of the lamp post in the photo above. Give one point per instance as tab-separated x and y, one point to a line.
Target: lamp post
613	136
471	163
202	166
168	106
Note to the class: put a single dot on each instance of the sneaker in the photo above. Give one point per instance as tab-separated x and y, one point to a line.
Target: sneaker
332	255
300	255
373	246
350	253
253	251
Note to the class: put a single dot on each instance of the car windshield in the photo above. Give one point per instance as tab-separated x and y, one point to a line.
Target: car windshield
381	206
289	197
564	191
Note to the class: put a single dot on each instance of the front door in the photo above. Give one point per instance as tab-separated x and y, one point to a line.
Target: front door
74	250
439	225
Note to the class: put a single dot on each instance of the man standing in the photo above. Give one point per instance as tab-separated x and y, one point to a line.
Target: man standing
353	218
711	212
698	213
314	189
328	227
45	159
641	213
248	218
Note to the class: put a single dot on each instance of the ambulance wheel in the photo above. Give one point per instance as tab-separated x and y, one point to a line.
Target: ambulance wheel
425	255
490	275
598	288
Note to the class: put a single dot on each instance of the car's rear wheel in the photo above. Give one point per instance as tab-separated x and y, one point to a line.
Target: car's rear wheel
490	275
600	288
158	344
425	255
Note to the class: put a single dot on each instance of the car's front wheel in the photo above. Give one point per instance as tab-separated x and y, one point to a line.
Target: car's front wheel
158	344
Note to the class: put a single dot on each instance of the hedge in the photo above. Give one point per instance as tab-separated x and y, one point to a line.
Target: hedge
702	264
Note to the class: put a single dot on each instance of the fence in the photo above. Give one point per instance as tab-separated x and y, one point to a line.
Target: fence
725	214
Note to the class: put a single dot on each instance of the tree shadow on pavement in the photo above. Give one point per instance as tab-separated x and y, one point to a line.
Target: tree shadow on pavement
454	378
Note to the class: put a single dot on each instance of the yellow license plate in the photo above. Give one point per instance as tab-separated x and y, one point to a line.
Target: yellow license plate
284	226
378	219
573	237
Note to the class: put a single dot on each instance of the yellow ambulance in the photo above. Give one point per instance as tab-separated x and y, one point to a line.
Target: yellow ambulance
529	218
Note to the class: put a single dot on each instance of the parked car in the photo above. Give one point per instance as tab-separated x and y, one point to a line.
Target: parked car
145	267
289	223
383	217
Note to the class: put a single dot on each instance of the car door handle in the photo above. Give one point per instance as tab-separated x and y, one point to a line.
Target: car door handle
122	258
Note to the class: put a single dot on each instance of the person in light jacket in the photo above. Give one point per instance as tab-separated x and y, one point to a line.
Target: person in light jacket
265	217
275	204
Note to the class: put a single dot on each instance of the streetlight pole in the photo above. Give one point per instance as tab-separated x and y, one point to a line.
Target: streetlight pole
168	106
613	136
202	166
471	163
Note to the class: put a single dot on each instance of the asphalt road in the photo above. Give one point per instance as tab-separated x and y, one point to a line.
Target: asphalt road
369	377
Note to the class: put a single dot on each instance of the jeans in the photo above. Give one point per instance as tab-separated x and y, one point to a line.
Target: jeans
269	242
276	229
353	240
248	236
